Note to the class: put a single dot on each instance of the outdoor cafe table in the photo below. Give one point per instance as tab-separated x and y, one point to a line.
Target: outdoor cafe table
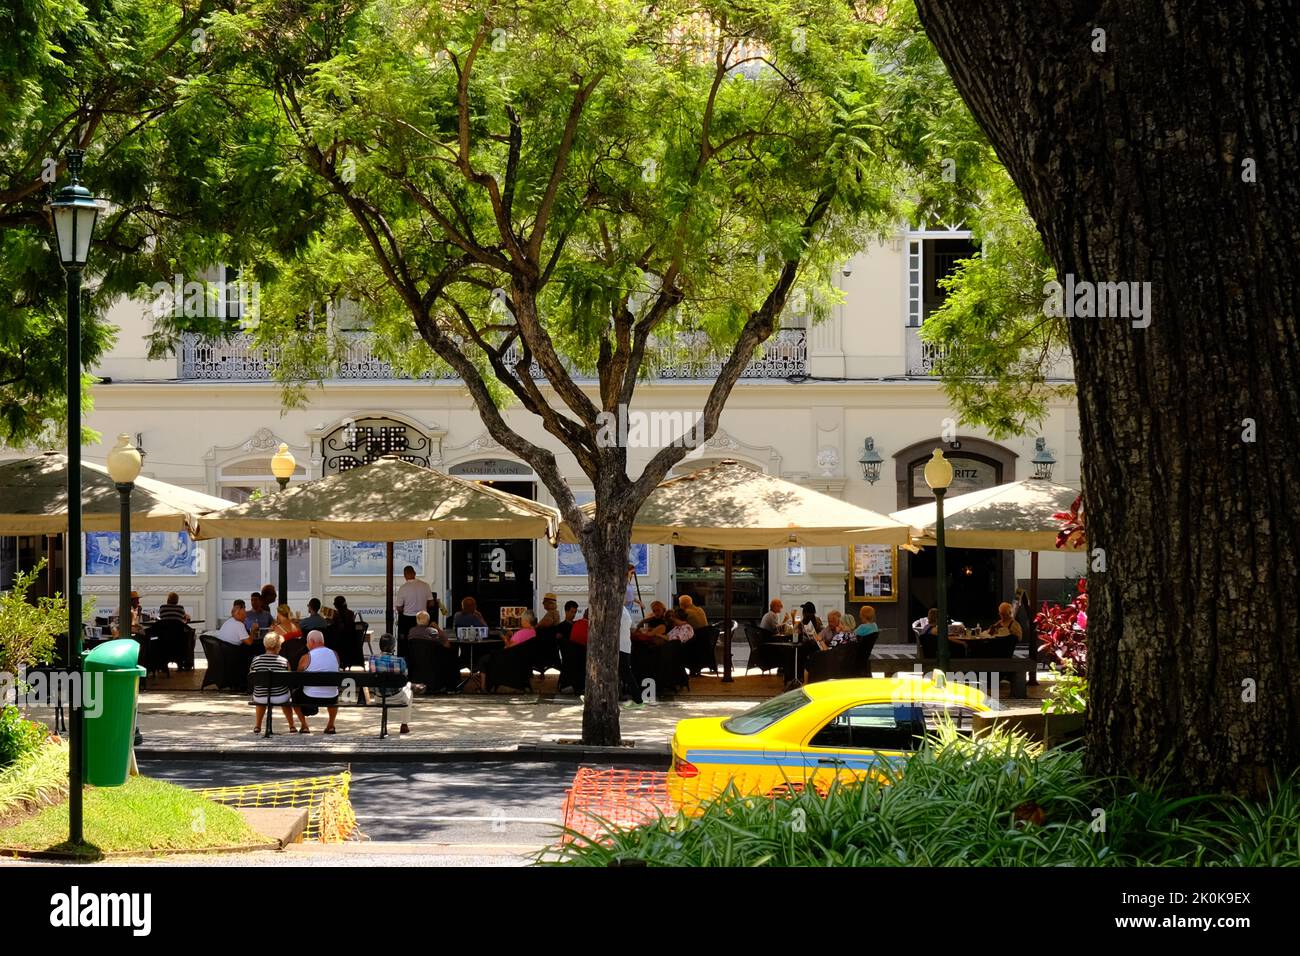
494	641
794	646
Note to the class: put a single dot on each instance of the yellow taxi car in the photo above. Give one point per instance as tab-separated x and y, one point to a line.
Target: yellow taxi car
813	735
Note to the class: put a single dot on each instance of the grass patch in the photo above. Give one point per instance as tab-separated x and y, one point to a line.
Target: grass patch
142	815
998	800
37	779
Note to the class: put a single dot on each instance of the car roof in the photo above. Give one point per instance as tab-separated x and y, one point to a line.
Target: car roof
900	689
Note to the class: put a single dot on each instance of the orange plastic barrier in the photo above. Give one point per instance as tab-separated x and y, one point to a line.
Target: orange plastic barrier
602	799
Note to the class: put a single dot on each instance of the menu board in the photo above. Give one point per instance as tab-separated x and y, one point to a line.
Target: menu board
873	572
513	617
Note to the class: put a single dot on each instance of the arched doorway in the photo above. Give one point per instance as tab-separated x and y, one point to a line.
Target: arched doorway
977	579
496	572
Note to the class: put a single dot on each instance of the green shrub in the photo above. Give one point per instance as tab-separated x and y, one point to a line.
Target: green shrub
28	631
1069	693
18	736
994	801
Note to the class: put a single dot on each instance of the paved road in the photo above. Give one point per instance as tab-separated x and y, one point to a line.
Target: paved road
464	803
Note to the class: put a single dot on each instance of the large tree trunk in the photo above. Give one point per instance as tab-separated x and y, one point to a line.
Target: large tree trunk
605	549
1131	162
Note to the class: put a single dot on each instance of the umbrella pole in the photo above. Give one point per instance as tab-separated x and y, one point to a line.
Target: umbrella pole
50	587
1033	582
388	572
726	617
1033	612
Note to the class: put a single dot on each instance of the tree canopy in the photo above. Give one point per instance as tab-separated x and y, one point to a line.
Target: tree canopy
116	79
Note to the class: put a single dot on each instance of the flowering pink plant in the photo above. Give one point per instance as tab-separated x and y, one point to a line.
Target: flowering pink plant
1062	630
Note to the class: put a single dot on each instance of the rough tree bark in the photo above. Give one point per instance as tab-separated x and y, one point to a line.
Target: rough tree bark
1165	151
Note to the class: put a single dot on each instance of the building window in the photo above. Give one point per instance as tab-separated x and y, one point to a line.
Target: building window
932	257
248	563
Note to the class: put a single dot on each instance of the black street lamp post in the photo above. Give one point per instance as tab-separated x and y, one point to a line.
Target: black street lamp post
124	463
938	475
282	466
73	212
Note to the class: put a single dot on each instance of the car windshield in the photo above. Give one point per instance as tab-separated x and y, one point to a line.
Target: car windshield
767	713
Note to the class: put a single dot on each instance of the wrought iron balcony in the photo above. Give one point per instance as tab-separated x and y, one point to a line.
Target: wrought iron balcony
689	357
923	358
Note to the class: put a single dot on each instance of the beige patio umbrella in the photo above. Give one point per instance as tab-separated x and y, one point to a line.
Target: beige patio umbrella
1014	516
1017	515
34	499
731	507
388	500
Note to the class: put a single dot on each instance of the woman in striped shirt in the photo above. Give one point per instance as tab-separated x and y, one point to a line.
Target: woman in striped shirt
279	693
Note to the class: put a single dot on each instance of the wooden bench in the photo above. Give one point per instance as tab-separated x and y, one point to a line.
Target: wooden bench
344	680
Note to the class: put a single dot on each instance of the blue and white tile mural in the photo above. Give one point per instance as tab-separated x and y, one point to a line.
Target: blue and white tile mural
569	562
154	554
356	559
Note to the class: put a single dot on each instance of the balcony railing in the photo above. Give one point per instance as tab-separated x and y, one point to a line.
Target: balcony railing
689	357
923	358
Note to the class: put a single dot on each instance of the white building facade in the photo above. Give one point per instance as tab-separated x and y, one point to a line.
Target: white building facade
211	418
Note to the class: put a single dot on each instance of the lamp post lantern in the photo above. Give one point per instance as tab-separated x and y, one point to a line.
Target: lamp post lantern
73	212
938	475
870	462
1043	460
282	466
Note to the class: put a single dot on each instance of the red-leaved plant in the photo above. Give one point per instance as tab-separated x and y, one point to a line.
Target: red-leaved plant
1071	536
1063	630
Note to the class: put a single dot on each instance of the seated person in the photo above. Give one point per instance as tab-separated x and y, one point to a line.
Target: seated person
511	666
929	638
285	625
345	619
836	632
810	623
581	628
399	698
425	630
234	631
678	628
565	627
573	669
525	633
655	627
775	621
468	615
314	621
172	610
550	613
866	623
278	694
695	615
258	619
309	700
446	659
137	616
1006	634
1006	623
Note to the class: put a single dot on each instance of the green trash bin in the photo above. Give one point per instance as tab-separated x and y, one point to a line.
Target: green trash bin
113	673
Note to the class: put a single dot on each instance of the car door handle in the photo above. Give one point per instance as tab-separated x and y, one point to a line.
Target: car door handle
829	761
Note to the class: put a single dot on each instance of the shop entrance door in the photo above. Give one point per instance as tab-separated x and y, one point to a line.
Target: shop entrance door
496	572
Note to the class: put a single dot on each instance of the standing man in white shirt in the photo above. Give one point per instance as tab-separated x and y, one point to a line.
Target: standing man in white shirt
412	598
625	675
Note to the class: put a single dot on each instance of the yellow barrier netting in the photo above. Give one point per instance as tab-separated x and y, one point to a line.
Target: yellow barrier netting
330	818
